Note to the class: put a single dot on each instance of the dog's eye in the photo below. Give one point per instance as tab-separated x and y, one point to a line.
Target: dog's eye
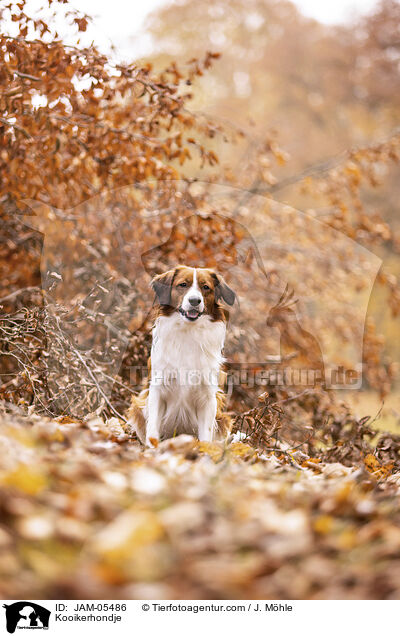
206	287
182	285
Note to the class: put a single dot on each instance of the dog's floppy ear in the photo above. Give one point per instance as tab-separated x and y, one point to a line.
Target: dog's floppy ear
223	291
161	285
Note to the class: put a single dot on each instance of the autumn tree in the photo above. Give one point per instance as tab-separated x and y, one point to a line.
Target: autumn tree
111	161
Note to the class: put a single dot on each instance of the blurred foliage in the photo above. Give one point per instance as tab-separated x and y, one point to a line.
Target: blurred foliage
323	90
86	513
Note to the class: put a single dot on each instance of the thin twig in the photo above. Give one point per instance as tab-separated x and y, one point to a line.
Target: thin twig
27	76
88	369
16	293
6	122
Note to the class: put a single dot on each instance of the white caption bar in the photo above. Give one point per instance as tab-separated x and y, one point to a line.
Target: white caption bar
136	617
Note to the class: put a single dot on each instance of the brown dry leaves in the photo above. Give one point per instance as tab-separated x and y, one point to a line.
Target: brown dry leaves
87	513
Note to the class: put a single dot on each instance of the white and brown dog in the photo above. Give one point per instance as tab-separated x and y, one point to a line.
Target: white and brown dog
183	395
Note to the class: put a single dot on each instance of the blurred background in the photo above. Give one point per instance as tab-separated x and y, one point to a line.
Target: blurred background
309	94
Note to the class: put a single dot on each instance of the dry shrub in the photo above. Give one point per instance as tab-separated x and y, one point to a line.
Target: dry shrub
104	178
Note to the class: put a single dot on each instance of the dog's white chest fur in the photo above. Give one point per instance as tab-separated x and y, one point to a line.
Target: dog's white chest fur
185	364
178	345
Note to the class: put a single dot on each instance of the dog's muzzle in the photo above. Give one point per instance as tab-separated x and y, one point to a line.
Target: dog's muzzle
191	314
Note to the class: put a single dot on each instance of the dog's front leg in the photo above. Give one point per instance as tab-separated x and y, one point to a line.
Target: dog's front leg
154	415
206	419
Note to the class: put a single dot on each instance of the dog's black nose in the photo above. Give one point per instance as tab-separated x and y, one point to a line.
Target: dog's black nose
194	301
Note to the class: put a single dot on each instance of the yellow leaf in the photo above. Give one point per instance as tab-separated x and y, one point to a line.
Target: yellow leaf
323	524
25	478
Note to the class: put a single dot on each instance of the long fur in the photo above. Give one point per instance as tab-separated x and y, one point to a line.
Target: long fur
184	392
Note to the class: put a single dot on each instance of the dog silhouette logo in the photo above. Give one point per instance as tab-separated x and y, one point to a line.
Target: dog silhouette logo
26	615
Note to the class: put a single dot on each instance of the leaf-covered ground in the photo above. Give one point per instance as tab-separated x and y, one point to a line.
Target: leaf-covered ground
88	513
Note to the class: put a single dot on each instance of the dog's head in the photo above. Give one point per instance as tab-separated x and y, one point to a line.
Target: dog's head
193	292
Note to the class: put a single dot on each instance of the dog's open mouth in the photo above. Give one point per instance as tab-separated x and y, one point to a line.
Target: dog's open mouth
190	314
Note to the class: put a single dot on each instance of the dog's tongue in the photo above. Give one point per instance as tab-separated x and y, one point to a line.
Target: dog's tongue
192	313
